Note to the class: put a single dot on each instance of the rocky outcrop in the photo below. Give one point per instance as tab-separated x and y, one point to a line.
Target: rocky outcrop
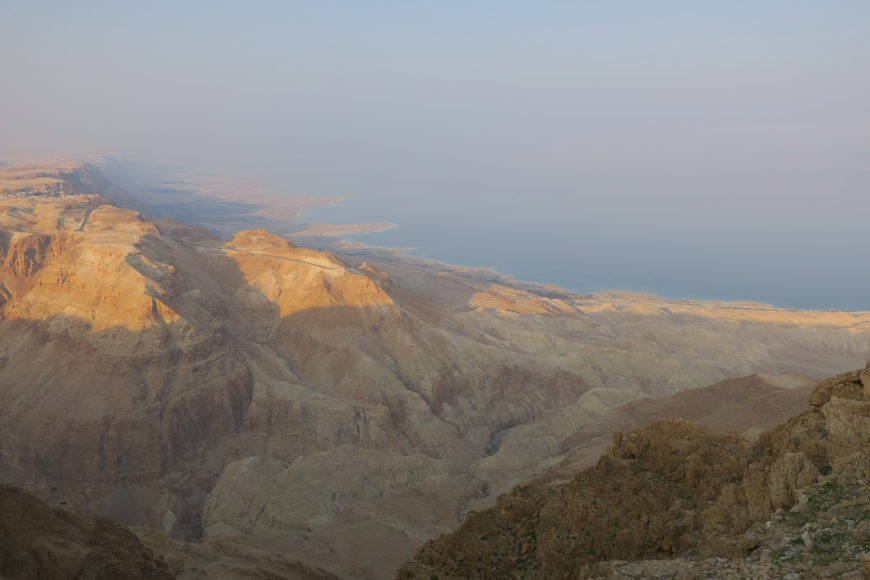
41	542
45	543
673	490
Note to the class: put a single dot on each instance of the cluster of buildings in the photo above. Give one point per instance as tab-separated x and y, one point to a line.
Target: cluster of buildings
31	193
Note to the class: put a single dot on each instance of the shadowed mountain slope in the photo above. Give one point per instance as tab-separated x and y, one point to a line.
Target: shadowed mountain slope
41	542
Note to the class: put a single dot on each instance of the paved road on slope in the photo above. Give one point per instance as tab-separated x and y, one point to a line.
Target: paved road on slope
85	220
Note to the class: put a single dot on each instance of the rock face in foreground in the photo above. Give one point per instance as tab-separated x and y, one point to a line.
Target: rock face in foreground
40	542
674	491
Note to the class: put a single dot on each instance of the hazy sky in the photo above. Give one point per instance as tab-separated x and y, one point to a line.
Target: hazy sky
695	149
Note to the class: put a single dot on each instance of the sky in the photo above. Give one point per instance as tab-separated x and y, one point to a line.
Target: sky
691	149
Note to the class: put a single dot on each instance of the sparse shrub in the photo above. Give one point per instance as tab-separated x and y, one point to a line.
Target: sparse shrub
827	496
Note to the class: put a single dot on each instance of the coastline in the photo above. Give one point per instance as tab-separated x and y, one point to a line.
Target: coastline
228	204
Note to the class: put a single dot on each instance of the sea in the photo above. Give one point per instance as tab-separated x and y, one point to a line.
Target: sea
584	250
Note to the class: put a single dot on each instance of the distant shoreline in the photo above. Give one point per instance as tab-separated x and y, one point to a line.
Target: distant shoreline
228	204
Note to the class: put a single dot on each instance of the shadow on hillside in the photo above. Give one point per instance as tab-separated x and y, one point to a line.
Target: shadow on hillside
141	422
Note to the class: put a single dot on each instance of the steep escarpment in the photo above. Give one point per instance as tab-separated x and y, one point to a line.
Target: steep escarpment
105	383
157	373
129	357
675	490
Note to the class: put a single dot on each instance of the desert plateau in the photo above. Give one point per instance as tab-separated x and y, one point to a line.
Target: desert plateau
243	406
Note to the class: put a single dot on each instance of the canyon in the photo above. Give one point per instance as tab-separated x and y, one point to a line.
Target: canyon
331	411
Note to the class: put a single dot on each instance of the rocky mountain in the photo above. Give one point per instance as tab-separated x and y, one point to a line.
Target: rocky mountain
683	502
45	543
337	408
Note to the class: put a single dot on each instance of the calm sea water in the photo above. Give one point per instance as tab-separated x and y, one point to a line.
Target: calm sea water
584	250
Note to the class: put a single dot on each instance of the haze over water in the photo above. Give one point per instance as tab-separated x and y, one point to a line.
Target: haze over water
695	150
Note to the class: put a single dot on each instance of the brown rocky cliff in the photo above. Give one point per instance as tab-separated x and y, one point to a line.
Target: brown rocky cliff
662	492
45	543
